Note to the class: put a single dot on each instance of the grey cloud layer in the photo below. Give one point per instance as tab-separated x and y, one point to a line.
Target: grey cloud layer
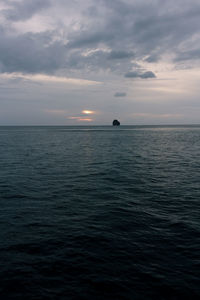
24	10
30	53
144	75
111	35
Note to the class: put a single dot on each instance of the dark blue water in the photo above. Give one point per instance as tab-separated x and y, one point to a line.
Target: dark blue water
100	212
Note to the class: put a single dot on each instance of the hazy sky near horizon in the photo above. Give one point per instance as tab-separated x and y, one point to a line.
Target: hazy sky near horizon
90	61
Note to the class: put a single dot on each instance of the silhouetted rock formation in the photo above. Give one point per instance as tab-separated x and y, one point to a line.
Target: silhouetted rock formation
116	123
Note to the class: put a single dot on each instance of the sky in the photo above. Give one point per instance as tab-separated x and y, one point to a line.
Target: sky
87	62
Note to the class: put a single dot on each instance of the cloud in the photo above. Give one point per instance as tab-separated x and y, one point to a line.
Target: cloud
48	79
153	58
30	53
136	74
116	43
23	10
120	54
81	119
157	116
56	111
120	94
148	74
89	39
188	55
68	47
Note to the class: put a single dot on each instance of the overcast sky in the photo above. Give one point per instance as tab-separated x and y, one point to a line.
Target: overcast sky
90	61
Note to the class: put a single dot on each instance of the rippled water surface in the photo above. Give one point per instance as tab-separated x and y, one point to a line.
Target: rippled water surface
100	212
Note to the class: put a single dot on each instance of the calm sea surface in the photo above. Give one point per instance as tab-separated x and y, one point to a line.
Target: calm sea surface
100	212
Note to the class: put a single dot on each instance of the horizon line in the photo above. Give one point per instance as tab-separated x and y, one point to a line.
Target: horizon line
91	125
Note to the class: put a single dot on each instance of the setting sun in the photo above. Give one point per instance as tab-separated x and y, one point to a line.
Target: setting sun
88	112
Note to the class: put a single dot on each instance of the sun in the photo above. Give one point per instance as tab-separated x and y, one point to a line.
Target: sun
88	112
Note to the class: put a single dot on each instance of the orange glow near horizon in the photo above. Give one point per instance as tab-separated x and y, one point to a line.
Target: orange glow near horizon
88	112
86	120
81	119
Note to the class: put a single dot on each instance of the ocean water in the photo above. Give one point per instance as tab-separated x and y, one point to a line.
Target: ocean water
100	212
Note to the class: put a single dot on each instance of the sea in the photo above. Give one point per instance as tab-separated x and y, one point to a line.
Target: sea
100	212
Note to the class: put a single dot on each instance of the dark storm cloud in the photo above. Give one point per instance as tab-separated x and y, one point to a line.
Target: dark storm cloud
113	35
25	9
136	74
120	94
